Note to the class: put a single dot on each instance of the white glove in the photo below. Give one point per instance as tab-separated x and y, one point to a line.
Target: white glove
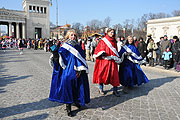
115	58
107	58
118	61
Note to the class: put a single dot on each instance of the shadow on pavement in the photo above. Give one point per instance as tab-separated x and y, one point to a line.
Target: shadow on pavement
28	107
14	61
8	79
36	117
2	68
108	101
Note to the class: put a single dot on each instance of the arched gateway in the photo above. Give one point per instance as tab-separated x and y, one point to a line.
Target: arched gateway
32	22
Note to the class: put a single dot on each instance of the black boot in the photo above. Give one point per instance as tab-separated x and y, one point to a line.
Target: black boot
77	105
68	108
116	93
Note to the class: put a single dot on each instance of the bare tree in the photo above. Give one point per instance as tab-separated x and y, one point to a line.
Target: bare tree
119	29
133	27
176	13
129	26
94	24
107	22
117	26
78	27
157	16
162	15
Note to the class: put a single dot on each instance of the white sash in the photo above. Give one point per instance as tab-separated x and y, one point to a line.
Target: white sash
134	55
110	46
130	51
74	52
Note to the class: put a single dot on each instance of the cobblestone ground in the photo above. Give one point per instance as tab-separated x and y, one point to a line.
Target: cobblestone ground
25	83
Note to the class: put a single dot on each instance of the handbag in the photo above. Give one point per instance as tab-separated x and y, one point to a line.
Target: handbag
53	48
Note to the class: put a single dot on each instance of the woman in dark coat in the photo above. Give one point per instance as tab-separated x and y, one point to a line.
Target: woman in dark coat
21	45
142	47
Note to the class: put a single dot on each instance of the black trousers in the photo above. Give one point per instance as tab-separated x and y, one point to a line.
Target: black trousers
151	62
166	64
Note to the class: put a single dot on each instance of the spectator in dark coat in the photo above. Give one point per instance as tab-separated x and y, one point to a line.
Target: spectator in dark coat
165	44
149	37
35	44
158	54
176	51
142	47
159	47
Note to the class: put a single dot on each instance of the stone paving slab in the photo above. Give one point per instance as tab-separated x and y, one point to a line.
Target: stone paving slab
25	83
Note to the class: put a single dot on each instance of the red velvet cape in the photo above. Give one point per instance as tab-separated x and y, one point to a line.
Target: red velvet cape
106	71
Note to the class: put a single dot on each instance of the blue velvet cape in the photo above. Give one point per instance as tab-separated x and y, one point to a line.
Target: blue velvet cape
130	73
65	87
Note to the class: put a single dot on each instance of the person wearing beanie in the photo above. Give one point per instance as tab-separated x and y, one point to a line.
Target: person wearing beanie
167	55
165	44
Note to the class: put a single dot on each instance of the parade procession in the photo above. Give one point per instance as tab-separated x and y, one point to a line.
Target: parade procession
60	61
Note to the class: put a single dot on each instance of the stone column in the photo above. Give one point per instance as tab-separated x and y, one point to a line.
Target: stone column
43	10
23	31
17	31
35	9
10	29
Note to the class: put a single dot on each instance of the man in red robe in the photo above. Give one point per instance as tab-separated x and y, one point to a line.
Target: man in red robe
106	68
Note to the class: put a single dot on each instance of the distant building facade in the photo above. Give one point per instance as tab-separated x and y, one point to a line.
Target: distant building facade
166	26
59	32
32	22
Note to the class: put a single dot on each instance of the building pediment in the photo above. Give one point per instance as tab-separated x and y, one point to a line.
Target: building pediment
11	13
165	28
178	27
153	29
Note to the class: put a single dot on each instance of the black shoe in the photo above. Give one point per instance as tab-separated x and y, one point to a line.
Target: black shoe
77	105
69	112
125	90
144	64
116	93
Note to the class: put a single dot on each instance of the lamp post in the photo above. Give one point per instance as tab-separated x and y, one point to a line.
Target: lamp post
56	11
57	34
0	30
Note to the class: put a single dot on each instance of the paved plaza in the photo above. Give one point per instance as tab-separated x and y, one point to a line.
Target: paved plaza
25	84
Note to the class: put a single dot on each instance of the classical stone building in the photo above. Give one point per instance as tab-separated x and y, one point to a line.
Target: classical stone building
166	26
32	22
